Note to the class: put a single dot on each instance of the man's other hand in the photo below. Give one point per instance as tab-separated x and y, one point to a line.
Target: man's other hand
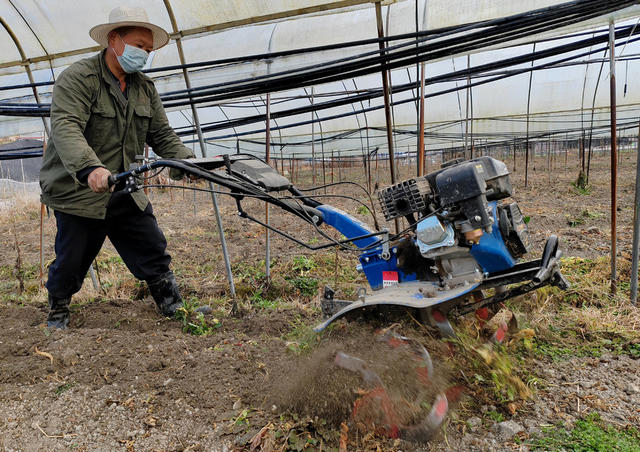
98	180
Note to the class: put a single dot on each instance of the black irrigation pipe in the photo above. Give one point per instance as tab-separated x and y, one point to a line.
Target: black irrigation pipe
222	126
552	18
506	140
170	104
557	12
329	105
432	80
267	56
17	156
347	68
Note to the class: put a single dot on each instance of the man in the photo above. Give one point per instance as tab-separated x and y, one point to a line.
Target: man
102	112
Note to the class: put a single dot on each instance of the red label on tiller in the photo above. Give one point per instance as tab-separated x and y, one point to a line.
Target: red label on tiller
389	279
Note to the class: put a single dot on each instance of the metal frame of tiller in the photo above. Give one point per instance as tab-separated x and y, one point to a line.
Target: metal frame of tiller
247	176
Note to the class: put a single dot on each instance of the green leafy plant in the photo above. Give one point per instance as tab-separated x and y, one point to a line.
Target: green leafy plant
307	285
301	338
581	189
242	418
573	222
260	299
64	387
589	434
303	264
194	322
495	416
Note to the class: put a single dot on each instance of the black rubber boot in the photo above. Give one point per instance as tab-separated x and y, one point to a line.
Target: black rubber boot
166	294
58	312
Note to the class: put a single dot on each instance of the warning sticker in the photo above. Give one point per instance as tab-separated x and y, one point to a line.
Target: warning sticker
389	279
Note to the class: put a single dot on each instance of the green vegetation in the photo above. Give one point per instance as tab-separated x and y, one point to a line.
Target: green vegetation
495	416
303	264
242	419
583	217
301	339
64	387
589	434
194	322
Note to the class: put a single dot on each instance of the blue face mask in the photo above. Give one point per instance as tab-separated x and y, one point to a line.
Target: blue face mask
132	59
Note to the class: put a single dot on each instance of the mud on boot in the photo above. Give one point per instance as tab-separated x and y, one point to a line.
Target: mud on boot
165	292
58	312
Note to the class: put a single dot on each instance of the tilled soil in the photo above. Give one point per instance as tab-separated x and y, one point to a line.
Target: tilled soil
123	378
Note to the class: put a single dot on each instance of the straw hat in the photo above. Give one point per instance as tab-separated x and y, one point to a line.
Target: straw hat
128	16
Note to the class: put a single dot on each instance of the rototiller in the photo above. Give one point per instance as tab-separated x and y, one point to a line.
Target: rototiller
462	239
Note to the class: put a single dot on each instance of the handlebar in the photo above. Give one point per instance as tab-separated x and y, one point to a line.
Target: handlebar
238	186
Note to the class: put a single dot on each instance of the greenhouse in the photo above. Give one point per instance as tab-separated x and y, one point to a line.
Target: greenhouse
340	184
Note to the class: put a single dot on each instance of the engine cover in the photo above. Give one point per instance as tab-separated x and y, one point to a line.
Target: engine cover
432	236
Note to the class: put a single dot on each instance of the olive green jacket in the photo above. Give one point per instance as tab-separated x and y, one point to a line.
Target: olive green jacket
93	124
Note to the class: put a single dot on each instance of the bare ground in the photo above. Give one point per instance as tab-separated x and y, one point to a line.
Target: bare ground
123	378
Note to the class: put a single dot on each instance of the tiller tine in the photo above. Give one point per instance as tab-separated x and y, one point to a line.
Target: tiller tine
419	353
497	327
429	427
358	365
440	321
375	409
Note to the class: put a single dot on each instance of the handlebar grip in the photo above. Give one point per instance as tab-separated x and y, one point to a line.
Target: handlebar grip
111	181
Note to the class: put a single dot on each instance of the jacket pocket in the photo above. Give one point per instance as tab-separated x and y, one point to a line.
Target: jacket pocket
142	119
101	127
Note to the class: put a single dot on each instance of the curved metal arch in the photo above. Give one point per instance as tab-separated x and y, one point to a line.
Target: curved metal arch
35	35
27	68
338	4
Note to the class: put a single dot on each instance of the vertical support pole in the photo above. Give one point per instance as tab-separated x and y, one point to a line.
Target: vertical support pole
203	149
313	147
267	256
614	156
324	165
467	150
47	131
636	230
387	106
332	165
42	211
421	157
566	152
515	148
146	159
290	165
419	92
526	155
549	157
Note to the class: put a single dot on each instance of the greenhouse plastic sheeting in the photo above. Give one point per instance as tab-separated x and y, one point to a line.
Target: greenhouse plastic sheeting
54	34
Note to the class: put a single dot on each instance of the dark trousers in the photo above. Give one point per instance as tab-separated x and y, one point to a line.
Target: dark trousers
134	233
